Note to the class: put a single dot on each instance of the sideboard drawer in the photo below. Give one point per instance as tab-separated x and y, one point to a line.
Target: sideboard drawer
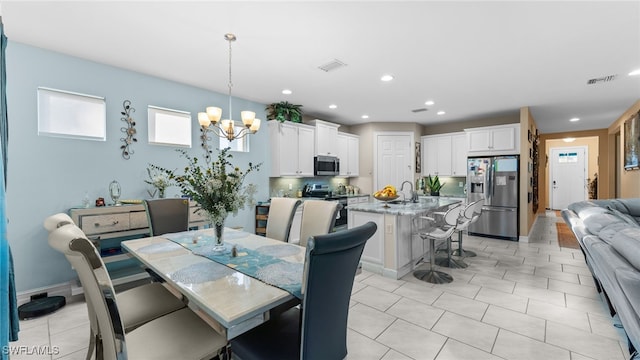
99	224
138	219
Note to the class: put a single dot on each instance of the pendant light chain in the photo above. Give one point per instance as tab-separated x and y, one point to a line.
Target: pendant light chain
230	81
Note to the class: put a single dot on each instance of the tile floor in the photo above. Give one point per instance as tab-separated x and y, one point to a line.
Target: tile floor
516	300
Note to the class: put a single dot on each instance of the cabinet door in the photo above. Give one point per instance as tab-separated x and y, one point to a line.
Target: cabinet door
504	139
325	140
437	155
479	140
288	157
429	156
304	151
353	146
343	154
443	144
459	155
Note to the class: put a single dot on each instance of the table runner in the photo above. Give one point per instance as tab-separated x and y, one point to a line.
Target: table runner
263	263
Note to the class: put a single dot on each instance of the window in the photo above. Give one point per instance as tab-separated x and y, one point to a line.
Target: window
169	127
72	115
241	145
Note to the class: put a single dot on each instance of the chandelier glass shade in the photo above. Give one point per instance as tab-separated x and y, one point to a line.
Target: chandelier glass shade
225	128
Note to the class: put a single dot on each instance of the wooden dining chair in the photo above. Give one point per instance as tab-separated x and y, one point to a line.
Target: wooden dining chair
137	305
281	213
178	335
318	329
167	215
318	218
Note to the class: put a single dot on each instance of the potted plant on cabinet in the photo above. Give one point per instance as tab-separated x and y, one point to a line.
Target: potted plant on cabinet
434	185
284	111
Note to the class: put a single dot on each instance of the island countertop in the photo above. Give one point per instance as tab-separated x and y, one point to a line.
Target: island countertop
421	207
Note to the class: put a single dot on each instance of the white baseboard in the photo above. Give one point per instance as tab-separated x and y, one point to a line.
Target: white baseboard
67	290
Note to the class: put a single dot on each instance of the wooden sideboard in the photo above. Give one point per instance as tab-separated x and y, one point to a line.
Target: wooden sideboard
107	226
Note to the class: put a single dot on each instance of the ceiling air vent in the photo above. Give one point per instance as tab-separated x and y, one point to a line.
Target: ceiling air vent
419	110
332	65
602	79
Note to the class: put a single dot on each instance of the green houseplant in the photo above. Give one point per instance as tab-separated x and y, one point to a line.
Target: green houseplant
434	185
284	111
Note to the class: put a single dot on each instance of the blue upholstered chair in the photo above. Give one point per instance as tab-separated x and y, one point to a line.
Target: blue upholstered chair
318	329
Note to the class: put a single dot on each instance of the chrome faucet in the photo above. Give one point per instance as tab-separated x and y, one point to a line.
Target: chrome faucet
414	194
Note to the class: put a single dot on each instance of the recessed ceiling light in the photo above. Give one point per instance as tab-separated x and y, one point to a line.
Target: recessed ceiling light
574	119
333	106
635	72
429	102
287	92
386	78
365	116
441	112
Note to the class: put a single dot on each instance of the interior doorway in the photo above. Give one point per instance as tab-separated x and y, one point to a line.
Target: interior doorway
394	154
567	176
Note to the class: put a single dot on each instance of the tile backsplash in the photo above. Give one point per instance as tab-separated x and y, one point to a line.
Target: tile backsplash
289	186
453	186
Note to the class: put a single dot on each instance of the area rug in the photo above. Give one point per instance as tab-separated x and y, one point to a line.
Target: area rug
566	238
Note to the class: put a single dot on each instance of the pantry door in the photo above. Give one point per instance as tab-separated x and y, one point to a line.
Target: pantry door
394	154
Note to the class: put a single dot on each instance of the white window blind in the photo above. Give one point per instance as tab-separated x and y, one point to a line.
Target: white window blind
169	127
67	114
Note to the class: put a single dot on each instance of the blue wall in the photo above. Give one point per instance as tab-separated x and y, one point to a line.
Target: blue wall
47	175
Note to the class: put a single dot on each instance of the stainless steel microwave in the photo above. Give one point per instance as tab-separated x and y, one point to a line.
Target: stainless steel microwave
326	165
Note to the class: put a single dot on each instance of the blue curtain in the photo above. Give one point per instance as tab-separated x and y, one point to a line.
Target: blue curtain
9	325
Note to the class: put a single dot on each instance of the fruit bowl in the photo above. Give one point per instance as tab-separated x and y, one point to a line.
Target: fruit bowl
386	199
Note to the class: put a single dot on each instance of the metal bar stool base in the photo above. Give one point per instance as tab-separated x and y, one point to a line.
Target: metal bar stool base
451	263
465	253
433	276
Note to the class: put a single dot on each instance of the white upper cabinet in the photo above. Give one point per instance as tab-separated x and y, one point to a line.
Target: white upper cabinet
348	146
494	140
326	137
459	154
291	154
444	154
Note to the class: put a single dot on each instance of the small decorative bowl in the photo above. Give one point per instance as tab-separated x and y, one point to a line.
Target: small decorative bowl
386	199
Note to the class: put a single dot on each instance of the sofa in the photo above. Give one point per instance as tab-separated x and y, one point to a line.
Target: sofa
609	235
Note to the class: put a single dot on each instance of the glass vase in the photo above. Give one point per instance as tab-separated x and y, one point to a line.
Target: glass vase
161	193
219	233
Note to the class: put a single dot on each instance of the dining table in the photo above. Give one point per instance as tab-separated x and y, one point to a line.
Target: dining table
234	290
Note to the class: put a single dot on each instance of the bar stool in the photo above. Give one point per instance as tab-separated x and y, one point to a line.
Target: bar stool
470	215
432	234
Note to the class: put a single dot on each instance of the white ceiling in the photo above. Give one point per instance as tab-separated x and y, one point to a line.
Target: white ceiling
475	59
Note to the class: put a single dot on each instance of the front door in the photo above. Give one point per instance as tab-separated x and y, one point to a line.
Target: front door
568	176
394	163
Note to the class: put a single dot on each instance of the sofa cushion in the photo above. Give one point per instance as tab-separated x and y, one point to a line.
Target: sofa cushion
595	223
626	217
627	244
585	209
609	231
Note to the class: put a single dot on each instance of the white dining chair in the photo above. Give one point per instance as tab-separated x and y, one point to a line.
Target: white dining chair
280	217
138	305
178	335
318	218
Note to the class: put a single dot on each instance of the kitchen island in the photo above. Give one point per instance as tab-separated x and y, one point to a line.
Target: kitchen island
392	250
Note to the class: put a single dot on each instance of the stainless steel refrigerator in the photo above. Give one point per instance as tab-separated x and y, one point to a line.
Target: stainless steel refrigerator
494	179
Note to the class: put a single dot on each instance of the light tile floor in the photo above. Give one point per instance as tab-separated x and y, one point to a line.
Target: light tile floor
516	300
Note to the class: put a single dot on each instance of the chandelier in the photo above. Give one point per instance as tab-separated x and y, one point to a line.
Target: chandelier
210	120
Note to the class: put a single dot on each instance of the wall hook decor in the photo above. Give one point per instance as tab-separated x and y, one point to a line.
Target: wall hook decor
129	130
